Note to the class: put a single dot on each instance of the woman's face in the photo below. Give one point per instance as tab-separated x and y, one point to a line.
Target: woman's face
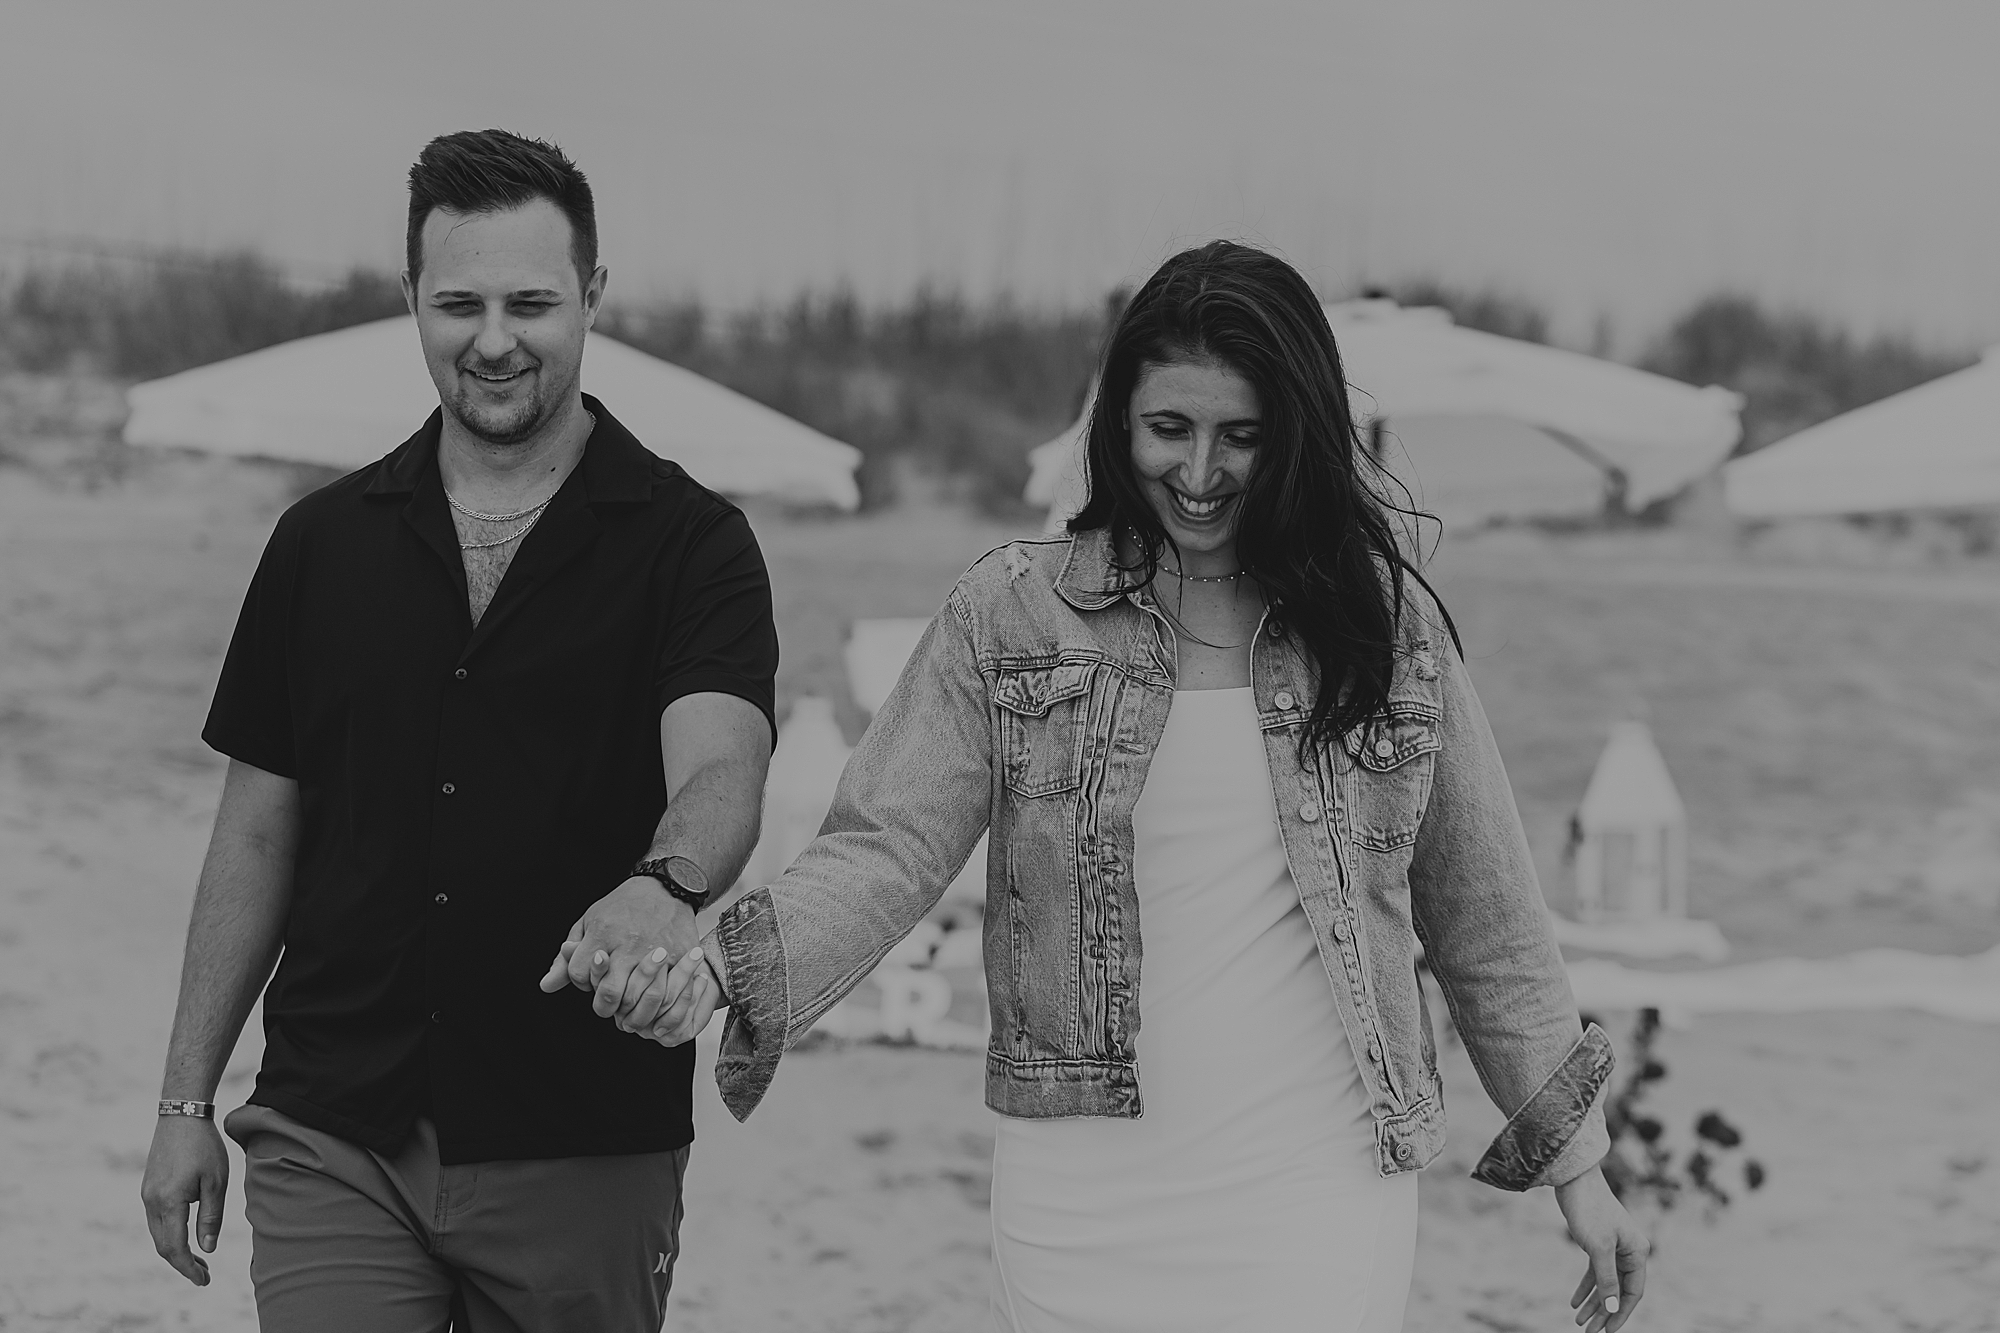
1194	432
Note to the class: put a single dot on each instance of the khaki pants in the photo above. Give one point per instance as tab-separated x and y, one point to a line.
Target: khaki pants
345	1239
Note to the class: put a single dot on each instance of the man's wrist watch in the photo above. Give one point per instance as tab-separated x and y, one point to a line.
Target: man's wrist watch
658	868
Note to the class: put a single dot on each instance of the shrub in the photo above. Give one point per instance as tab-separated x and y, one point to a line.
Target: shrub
172	311
1660	1173
1793	370
964	390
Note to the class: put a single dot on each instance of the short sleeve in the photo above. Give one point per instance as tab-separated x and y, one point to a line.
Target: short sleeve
251	717
720	636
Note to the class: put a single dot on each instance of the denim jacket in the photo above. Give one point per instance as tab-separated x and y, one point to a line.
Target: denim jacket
1031	708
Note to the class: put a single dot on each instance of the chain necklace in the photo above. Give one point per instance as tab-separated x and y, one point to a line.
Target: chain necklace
532	513
514	517
516	535
1202	578
1174	615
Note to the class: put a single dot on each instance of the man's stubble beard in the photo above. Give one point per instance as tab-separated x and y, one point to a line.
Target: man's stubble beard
519	424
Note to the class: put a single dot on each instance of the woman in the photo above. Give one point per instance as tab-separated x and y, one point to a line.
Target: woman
1218	709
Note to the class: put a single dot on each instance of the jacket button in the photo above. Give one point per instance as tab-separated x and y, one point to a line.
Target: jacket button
1384	748
1309	812
1340	931
441	900
448	788
1375	1050
1283	699
1404	1152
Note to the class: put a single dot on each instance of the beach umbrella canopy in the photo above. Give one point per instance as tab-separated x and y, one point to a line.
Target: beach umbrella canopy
1936	446
1556	430
346	398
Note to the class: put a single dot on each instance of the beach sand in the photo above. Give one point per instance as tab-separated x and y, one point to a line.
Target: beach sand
1818	733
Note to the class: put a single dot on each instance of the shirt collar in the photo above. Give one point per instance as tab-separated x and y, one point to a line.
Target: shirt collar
616	467
1091	578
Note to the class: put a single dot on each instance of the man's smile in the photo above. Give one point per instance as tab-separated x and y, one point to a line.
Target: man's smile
492	378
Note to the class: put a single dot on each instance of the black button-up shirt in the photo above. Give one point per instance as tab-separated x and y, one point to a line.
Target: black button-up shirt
468	792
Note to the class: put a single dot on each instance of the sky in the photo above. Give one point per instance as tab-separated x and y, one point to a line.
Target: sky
1612	161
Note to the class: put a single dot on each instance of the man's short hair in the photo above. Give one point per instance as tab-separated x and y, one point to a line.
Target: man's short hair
486	171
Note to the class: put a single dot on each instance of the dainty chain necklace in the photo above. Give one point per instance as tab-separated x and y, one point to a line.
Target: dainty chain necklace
1202	578
1180	607
1174	616
532	513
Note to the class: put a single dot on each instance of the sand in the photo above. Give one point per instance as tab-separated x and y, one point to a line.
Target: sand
1829	732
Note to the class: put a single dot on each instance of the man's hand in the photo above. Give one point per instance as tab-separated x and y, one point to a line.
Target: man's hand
1617	1250
187	1165
620	929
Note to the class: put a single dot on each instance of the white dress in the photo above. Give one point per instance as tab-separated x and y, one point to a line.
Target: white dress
1247	1195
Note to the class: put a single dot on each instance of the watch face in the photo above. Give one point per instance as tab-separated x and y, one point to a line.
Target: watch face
658	870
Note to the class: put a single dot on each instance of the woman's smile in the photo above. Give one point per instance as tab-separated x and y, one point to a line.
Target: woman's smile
1201	511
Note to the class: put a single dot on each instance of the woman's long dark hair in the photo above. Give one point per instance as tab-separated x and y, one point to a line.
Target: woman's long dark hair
1311	529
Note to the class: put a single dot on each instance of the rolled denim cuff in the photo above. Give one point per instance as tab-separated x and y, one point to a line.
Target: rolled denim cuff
1558	1127
711	949
1586	1148
751	954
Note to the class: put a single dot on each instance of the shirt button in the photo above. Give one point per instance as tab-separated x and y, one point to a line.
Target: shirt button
437	1015
1309	812
448	789
1283	699
1384	748
458	674
441	900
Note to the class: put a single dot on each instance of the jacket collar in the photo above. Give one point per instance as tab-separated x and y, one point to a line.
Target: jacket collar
1091	579
616	467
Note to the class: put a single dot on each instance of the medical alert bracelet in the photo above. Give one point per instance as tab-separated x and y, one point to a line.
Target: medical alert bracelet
199	1110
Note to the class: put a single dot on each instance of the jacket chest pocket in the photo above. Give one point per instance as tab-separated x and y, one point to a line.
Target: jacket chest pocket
1395	757
1042	727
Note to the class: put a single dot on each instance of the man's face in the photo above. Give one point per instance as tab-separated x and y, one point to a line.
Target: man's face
501	314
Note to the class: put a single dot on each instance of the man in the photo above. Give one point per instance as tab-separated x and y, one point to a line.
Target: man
516	673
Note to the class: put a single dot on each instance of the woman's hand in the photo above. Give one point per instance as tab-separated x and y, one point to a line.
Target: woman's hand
696	994
1617	1250
671	1006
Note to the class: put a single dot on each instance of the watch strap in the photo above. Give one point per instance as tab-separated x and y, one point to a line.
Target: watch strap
198	1110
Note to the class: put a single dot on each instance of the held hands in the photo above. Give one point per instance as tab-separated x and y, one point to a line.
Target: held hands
1617	1250
618	951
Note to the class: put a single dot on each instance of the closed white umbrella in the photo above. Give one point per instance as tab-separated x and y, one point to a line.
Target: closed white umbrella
1936	446
1645	435
346	398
